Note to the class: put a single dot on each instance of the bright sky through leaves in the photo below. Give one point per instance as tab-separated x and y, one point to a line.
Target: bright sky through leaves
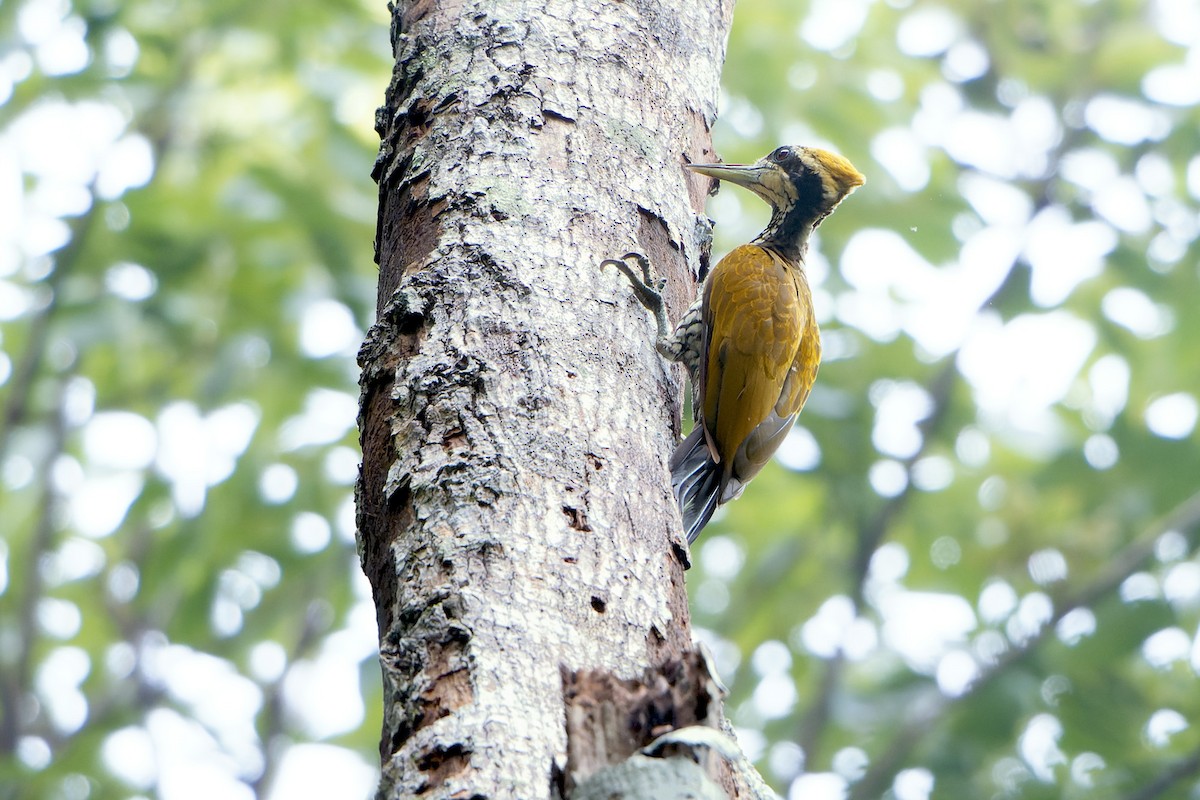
1029	226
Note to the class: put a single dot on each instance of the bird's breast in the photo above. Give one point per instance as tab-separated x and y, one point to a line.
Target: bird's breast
757	311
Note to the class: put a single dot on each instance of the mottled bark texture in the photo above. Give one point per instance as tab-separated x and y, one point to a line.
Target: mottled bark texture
515	515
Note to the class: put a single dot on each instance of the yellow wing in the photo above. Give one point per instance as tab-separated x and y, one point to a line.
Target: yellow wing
807	360
762	352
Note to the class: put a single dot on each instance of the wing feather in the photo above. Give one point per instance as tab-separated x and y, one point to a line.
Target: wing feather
757	310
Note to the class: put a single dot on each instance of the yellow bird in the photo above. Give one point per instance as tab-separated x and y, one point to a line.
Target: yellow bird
750	342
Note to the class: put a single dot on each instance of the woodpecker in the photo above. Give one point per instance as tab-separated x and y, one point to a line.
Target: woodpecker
750	342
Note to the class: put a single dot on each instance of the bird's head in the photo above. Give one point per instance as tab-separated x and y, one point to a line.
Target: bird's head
801	183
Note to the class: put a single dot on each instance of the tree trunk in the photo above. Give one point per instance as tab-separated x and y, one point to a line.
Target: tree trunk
514	509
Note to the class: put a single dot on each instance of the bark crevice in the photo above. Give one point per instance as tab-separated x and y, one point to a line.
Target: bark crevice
515	513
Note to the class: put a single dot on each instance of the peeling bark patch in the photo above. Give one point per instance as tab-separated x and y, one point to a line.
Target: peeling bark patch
451	692
654	237
556	116
697	194
441	764
662	644
454	439
379	519
608	719
554	142
382	518
413	12
450	686
655	241
577	518
427	657
405	231
408	220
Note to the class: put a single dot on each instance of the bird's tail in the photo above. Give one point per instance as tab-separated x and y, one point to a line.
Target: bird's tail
696	481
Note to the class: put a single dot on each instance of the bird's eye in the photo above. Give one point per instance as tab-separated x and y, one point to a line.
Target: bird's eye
780	155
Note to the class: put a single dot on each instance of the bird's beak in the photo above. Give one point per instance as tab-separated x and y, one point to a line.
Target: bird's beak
747	175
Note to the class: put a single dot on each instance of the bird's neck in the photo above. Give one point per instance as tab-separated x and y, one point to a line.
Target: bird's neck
788	232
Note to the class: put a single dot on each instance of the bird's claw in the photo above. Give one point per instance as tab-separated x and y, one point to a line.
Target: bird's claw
647	288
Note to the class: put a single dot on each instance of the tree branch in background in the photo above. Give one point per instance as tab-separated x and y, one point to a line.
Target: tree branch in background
1184	519
20	387
1169	777
813	723
271	718
16	676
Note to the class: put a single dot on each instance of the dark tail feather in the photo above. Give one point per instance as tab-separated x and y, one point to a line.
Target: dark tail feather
696	481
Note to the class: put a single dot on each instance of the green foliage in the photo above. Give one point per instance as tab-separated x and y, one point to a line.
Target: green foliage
966	579
962	456
179	587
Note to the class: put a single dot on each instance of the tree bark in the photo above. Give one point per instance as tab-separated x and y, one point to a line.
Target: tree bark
514	509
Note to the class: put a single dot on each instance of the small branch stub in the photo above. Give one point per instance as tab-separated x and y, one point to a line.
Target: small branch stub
662	736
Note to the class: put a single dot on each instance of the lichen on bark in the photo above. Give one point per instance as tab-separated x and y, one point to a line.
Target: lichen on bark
514	512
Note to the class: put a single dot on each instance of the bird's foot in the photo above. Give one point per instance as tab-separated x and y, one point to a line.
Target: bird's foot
646	288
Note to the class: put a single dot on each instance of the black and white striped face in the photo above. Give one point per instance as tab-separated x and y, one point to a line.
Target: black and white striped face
820	179
807	178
